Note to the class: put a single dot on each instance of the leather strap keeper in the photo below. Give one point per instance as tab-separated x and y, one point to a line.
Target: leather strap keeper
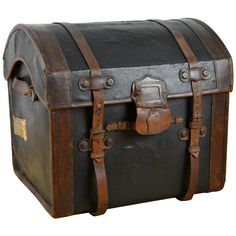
119	126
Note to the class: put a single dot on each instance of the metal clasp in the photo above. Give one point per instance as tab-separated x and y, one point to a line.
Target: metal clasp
150	97
149	92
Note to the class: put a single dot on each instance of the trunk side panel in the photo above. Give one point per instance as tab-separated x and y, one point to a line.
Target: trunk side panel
31	158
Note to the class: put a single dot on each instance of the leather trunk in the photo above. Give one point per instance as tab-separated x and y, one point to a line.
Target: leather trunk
150	71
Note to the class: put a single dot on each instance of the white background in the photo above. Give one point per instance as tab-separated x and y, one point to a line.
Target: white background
207	214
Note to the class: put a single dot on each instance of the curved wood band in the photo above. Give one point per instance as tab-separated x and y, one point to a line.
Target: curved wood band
97	131
195	124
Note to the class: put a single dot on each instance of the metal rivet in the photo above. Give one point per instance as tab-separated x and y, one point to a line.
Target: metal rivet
84	145
203	131
184	134
99	106
184	75
84	83
108	142
110	82
205	73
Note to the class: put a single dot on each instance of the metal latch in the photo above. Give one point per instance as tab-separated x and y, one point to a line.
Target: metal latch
153	113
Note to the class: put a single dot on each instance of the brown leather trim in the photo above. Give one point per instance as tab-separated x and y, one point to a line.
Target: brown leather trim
220	102
39	50
59	88
39	34
58	74
102	190
128	100
62	163
97	154
10	75
38	45
84	47
182	43
219	127
195	124
225	141
216	49
30	34
97	131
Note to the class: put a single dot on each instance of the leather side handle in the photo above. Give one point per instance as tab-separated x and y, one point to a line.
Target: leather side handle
23	88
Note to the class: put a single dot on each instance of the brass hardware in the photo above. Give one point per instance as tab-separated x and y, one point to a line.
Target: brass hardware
20	127
183	134
149	92
205	74
84	145
84	83
203	131
194	74
184	75
95	83
110	82
108	143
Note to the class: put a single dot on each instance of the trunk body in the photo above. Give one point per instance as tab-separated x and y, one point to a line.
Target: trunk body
47	132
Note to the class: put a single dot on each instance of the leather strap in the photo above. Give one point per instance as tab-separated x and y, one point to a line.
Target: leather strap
120	126
21	86
195	124
24	88
97	131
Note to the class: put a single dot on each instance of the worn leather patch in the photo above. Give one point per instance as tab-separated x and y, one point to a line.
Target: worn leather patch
152	121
